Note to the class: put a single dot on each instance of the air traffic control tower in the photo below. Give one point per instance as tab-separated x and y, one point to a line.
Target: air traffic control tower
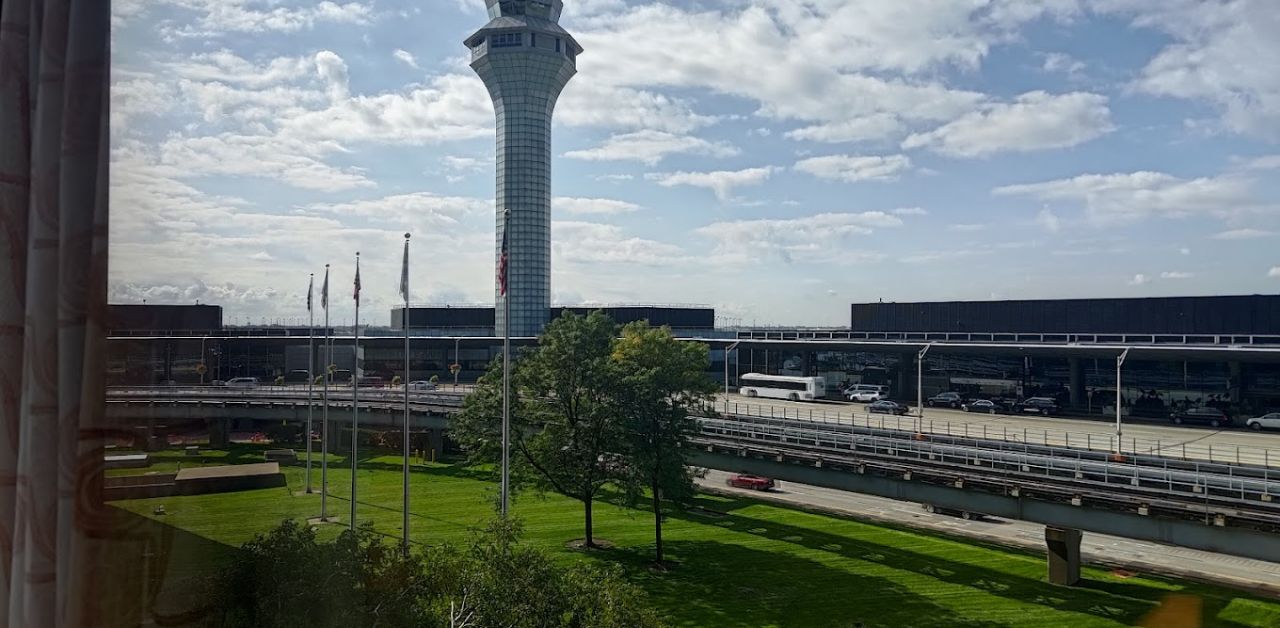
525	59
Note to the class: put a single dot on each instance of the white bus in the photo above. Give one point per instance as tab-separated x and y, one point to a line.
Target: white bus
782	387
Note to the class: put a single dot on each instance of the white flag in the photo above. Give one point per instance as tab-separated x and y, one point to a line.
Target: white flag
404	271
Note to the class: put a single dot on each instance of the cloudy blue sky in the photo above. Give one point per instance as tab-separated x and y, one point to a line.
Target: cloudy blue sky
777	159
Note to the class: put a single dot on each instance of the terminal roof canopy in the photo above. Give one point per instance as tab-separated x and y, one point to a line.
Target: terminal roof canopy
545	9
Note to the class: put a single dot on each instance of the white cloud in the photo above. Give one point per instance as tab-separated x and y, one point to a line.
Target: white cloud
1243	234
1057	62
1274	272
1184	251
1176	275
262	256
967	228
597	104
419	206
449	107
584	206
910	211
1223	54
290	161
869	128
217	17
1126	197
810	239
1049	220
333	72
589	243
1035	121
405	57
651	147
854	168
1139	280
721	182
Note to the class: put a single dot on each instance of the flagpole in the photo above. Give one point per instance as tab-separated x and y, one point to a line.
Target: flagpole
506	371
404	320
355	397
324	417
311	361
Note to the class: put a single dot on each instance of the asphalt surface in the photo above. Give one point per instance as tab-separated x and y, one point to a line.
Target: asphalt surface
1192	442
1097	549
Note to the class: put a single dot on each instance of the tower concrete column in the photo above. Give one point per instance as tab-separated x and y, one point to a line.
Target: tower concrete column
525	59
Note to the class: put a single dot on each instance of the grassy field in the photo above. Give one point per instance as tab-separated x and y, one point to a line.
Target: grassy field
742	562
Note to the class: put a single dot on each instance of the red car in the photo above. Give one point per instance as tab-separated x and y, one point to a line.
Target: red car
753	482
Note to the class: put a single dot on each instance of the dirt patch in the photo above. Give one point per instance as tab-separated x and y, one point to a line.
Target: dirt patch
597	544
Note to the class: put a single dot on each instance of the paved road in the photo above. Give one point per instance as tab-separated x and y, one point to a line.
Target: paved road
1097	548
1174	440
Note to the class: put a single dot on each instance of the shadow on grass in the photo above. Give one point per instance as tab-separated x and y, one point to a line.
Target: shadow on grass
724	584
1117	601
153	573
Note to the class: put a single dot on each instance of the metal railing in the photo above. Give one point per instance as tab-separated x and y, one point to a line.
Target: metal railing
1012	337
1254	489
1091	441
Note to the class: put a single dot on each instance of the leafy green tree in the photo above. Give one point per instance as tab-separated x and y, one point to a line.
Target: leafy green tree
286	579
498	582
661	382
564	432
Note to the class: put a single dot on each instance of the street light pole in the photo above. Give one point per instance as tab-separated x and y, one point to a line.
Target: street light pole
920	387
1119	431
727	350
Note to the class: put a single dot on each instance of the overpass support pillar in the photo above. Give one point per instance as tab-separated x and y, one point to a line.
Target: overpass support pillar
435	444
906	384
1064	555
219	434
1076	382
1235	385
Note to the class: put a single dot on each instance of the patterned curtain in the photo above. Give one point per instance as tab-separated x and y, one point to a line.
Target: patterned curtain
54	73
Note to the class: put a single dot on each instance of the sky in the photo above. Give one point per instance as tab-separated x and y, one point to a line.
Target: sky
775	159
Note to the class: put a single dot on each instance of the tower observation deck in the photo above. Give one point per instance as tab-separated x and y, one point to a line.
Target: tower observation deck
525	59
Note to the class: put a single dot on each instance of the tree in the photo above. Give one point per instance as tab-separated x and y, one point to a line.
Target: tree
660	381
286	579
498	582
564	432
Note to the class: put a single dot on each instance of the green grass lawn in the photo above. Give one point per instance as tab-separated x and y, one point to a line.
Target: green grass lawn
745	563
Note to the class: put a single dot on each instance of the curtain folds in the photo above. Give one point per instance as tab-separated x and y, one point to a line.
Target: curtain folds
54	80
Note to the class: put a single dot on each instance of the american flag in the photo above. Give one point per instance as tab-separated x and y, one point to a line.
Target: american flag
356	295
311	287
502	261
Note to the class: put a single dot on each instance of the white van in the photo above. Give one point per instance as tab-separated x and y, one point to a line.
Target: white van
242	382
866	393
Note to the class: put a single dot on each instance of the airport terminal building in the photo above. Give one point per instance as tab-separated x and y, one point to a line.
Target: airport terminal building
1182	350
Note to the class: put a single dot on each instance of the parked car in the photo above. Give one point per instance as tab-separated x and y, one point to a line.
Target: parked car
963	514
753	482
945	400
865	393
981	405
422	385
1043	406
1204	415
886	407
242	382
1266	421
